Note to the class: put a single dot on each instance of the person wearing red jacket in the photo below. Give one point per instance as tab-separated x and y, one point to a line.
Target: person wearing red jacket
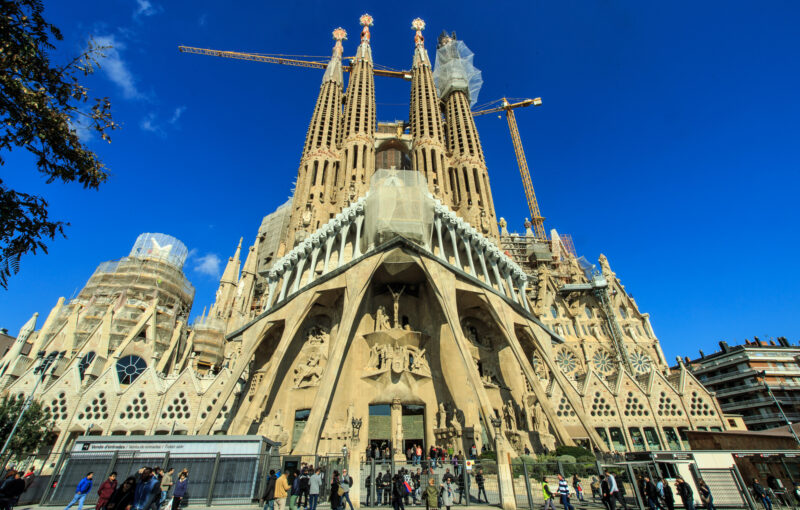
105	491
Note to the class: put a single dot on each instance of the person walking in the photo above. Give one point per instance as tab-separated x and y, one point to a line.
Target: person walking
595	486
431	496
576	484
106	490
314	485
294	492
166	485
269	491
548	496
761	494
281	491
398	491
705	495
473	452
614	491
605	493
651	494
669	497
563	492
345	482
448	495
685	492
335	498
181	487
81	491
481	488
123	496
305	478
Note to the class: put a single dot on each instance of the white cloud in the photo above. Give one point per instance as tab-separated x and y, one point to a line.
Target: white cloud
149	124
115	68
202	20
208	264
145	8
177	114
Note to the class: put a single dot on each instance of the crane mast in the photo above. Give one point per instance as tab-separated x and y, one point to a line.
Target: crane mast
533	205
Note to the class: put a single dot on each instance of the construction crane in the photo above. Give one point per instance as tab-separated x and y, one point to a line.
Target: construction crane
306	61
297	60
533	205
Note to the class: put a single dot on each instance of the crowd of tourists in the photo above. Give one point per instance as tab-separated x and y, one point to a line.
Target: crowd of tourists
418	456
147	489
14	484
301	488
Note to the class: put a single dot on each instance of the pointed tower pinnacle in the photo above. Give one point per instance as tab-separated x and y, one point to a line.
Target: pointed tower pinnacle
358	128
227	287
427	130
319	177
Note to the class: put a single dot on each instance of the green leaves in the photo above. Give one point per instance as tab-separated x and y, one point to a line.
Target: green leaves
32	429
40	105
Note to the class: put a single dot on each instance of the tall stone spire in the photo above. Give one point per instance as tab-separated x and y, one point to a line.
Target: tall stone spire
358	128
227	286
428	149
467	176
319	177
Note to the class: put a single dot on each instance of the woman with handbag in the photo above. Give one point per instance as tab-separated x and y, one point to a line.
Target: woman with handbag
336	497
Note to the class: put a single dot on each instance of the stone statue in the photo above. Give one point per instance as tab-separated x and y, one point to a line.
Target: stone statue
398	436
396	301
511	415
442	416
382	319
540	423
308	373
455	423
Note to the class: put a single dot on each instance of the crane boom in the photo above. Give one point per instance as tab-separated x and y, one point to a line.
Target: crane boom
406	75
533	205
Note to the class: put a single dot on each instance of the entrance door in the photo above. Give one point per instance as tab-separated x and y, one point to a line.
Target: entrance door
413	426
380	426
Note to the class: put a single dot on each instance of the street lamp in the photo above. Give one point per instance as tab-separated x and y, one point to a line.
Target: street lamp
41	371
763	375
356	424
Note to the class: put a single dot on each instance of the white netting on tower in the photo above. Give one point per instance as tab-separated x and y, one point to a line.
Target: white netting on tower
398	205
454	70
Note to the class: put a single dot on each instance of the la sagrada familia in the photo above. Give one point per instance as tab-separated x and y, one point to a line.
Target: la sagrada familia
387	293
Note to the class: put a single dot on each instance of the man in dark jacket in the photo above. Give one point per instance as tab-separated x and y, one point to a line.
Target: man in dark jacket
269	492
12	490
685	492
605	493
761	494
387	488
651	494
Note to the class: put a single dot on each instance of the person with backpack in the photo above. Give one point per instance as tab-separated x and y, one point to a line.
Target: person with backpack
576	484
269	491
398	492
345	482
705	495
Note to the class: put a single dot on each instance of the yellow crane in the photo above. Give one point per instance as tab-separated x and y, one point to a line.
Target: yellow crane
505	105
289	60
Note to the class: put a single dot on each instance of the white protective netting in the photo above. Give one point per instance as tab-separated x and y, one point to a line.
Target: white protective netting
398	205
454	70
160	246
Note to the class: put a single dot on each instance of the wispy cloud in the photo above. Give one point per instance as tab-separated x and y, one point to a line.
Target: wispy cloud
177	114
209	265
149	124
145	8
203	19
81	128
115	67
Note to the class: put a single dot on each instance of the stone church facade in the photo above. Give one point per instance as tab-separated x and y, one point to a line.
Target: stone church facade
384	292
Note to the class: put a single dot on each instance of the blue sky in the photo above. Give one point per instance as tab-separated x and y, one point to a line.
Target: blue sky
668	140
